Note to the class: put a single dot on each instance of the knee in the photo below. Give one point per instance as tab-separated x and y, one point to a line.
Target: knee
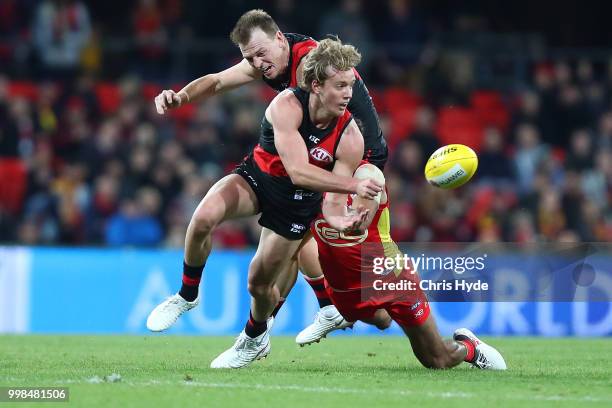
203	222
257	286
383	324
258	290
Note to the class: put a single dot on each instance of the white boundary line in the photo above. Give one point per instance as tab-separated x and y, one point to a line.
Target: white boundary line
356	391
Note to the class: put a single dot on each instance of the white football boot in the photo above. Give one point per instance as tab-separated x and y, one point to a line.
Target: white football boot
485	356
327	320
244	351
165	314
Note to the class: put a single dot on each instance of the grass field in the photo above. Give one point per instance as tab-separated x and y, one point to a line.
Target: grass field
172	371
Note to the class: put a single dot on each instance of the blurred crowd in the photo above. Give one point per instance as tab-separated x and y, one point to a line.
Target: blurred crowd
85	161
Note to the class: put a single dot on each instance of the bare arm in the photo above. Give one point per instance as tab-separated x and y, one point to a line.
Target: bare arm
285	114
207	86
337	214
335	210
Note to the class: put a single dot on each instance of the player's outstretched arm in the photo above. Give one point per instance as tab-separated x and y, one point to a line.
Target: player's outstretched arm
207	86
285	114
359	216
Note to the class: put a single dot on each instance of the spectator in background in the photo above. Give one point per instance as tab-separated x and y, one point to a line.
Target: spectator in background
547	93
571	114
403	35
528	111
424	132
572	198
580	156
151	38
72	195
522	230
408	161
493	163
103	204
61	31
136	223
550	217
529	155
597	182
348	23
604	131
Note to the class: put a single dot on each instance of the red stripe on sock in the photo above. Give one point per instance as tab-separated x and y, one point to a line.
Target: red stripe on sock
470	350
191	281
317	281
321	294
318	286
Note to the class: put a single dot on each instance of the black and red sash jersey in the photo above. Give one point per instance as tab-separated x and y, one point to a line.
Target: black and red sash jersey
360	105
320	143
299	46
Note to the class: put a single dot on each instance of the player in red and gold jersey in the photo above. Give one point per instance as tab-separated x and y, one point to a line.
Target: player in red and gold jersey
347	260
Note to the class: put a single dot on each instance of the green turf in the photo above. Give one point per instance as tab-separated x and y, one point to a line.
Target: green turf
172	371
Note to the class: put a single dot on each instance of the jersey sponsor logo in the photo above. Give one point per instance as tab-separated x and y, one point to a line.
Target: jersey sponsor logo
335	238
320	154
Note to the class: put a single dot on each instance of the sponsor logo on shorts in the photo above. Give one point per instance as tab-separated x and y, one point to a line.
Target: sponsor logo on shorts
297	228
320	154
300	194
335	238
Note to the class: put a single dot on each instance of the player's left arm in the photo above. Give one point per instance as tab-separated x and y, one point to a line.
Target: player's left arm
334	208
285	115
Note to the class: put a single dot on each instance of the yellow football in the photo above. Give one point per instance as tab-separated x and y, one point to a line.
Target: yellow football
451	166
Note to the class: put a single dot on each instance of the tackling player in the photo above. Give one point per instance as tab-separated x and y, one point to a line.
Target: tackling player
304	132
276	58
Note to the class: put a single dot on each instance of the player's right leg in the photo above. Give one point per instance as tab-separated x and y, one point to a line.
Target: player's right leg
230	197
429	347
269	262
434	352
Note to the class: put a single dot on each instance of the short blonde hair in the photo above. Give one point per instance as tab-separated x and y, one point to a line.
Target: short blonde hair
329	53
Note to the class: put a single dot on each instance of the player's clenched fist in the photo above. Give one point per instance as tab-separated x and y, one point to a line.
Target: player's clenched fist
168	99
368	188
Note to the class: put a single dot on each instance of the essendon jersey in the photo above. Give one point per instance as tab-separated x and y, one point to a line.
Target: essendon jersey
320	143
299	46
360	105
345	258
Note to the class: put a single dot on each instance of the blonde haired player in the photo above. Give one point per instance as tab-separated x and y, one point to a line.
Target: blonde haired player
304	135
346	260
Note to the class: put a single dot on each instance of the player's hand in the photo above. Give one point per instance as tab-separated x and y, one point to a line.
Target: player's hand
368	188
167	99
352	222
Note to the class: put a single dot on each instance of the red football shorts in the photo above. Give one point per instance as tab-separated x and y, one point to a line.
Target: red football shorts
353	308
